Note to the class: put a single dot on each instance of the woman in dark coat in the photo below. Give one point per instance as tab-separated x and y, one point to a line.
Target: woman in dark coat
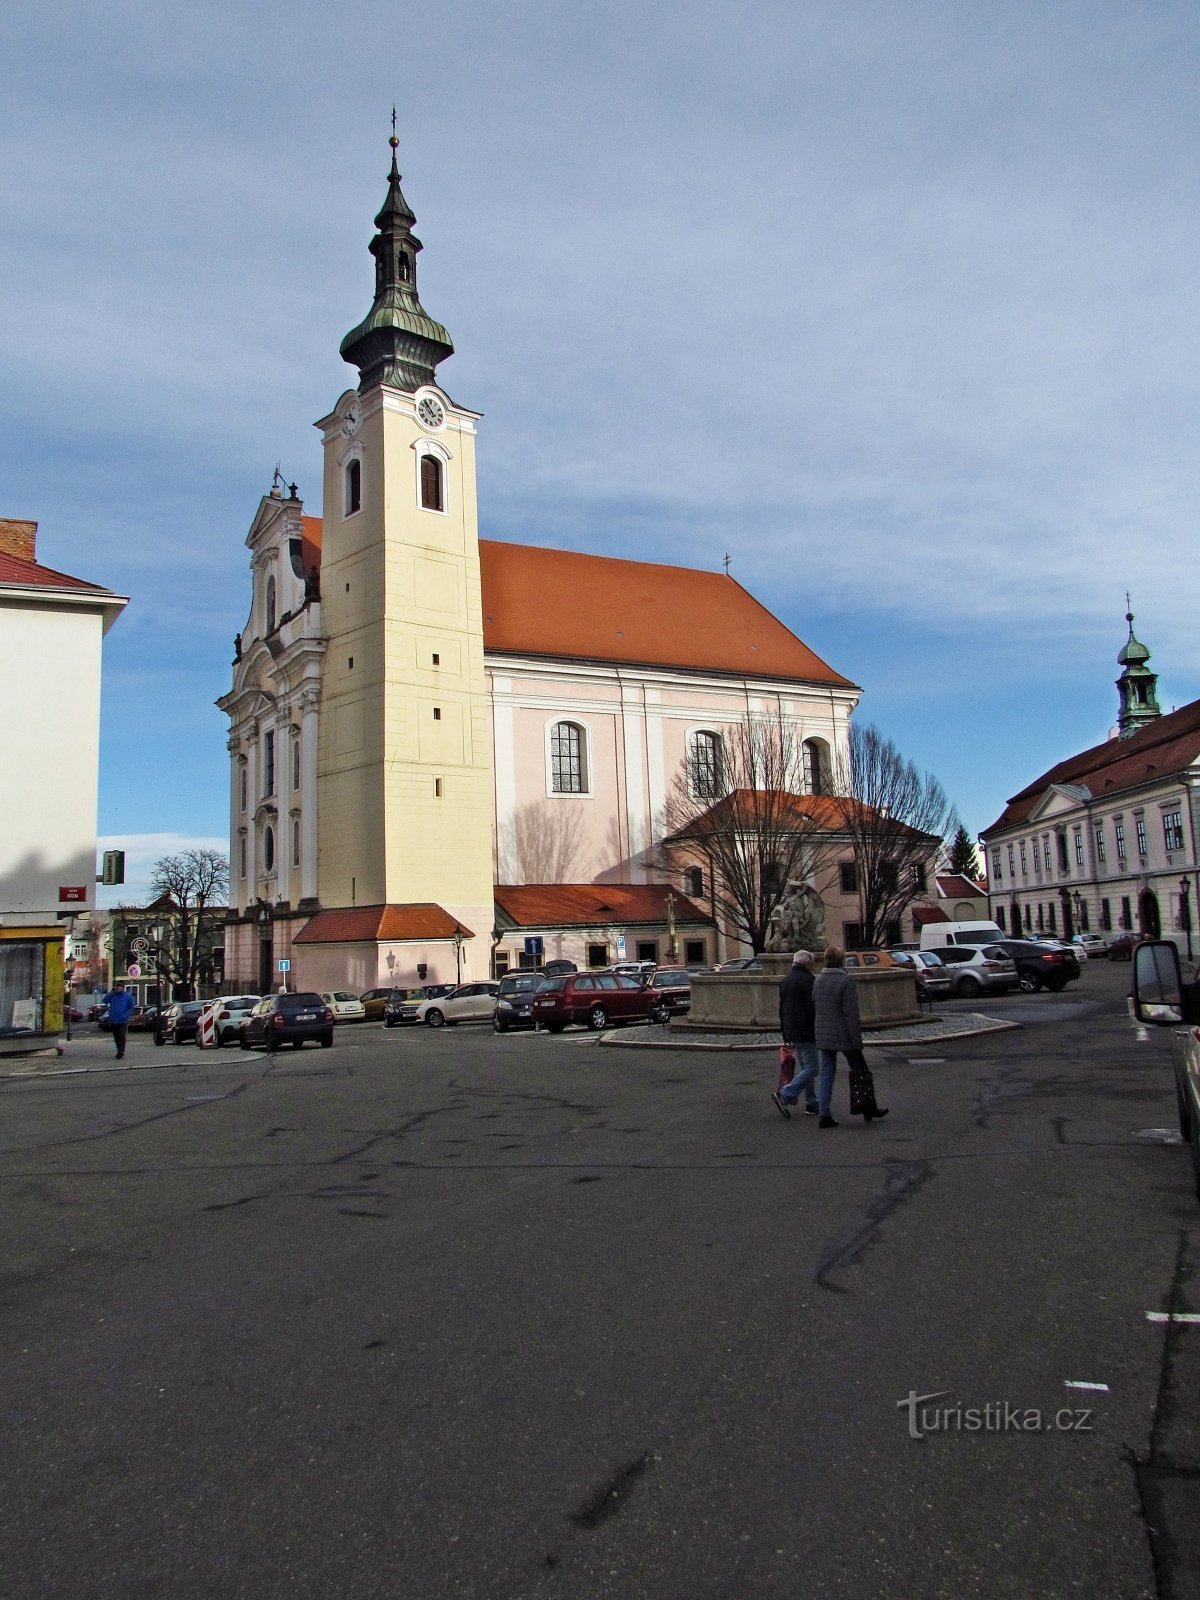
835	1002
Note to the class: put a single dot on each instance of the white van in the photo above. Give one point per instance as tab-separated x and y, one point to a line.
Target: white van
936	934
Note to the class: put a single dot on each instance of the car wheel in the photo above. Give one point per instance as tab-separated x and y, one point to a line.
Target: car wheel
597	1017
326	1041
272	1043
970	988
1029	983
387	1022
555	1027
661	1014
1057	986
500	1027
434	1018
245	1043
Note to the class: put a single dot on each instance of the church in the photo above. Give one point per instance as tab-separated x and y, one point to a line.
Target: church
449	755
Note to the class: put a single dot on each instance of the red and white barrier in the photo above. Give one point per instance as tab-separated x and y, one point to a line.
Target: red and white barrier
206	1029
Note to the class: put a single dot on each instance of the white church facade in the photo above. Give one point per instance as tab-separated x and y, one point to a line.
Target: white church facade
446	750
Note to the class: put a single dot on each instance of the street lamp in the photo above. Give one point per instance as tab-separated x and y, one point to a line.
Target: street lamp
458	944
1185	911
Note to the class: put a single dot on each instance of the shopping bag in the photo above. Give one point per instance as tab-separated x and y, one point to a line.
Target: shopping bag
862	1084
787	1065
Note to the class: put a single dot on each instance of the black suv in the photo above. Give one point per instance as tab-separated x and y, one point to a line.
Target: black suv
288	1019
180	1022
1041	966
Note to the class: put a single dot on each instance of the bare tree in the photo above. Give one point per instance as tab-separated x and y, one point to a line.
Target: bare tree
739	807
194	883
894	818
546	840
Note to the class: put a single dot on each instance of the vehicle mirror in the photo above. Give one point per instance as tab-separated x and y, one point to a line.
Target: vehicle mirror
1157	984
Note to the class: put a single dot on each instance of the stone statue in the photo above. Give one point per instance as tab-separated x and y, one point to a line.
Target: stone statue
798	922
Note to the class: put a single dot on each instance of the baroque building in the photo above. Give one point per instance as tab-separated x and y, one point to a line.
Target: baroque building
425	724
1106	839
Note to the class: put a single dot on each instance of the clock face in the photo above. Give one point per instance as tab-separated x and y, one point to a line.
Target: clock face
351	419
430	412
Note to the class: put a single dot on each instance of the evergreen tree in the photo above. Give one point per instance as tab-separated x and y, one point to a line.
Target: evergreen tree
962	854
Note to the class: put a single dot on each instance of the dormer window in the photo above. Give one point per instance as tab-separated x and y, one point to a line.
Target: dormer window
353	486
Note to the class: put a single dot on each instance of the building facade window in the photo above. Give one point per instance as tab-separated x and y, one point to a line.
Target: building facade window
1100	856
268	764
568	759
693	882
243	788
1078	847
816	767
1024	863
1046	850
996	873
848	873
295	763
1173	830
694	952
1119	831
271	604
1012	871
353	486
1139	824
706	765
920	882
1060	840
242	855
269	849
1000	918
295	841
774	878
1106	915
433	496
597	955
1126	912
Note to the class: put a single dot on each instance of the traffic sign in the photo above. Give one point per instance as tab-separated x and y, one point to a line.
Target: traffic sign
285	966
134	970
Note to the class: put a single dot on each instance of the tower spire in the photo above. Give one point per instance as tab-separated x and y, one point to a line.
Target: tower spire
397	343
1138	702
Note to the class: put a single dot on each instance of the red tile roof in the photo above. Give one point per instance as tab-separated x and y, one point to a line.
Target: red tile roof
368	924
1163	747
955	886
563	603
777	809
542	602
589	905
32	575
924	914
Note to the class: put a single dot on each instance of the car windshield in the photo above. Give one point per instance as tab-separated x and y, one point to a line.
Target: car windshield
553	984
299	1002
339	995
666	975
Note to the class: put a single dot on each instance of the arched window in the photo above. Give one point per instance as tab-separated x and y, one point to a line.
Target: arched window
353	486
568	758
269	849
295	841
706	762
295	763
816	767
403	269
243	787
271	605
432	497
241	855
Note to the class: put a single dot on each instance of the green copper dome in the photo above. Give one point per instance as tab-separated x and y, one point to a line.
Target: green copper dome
397	343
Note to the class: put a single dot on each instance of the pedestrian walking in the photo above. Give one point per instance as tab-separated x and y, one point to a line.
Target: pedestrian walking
837	1027
121	1006
796	1023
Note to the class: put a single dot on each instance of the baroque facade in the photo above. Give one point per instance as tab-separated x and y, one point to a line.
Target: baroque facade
424	723
1106	840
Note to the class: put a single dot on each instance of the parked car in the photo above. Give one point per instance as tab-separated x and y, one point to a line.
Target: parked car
979	969
144	1019
672	991
470	1002
1094	943
374	1001
1163	999
634	969
346	1007
555	969
514	1000
1041	965
592	998
229	1012
741	964
401	1006
869	958
1122	947
934	977
288	1019
180	1023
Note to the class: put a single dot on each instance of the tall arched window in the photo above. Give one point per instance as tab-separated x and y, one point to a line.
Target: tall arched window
295	762
706	760
816	767
432	497
269	849
295	841
568	757
353	486
271	605
243	787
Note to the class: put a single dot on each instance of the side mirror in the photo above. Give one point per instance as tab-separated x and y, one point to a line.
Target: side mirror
1157	984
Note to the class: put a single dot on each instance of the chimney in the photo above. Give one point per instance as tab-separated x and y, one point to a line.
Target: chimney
18	538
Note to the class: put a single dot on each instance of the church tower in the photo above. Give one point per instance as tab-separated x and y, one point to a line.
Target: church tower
1136	686
404	767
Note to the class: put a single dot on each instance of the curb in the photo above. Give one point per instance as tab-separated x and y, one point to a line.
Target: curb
885	1039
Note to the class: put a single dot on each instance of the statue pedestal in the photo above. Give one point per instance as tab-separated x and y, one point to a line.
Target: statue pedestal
748	1002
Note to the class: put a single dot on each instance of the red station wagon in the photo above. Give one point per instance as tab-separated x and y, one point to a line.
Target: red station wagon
593	998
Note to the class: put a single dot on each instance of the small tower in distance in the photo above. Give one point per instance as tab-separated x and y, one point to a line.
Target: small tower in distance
1138	702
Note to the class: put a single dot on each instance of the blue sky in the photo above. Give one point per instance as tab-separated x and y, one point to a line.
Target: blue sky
896	303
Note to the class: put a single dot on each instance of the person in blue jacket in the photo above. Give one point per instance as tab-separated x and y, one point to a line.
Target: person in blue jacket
121	1006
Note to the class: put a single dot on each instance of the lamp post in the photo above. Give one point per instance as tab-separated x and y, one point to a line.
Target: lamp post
1185	911
458	944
